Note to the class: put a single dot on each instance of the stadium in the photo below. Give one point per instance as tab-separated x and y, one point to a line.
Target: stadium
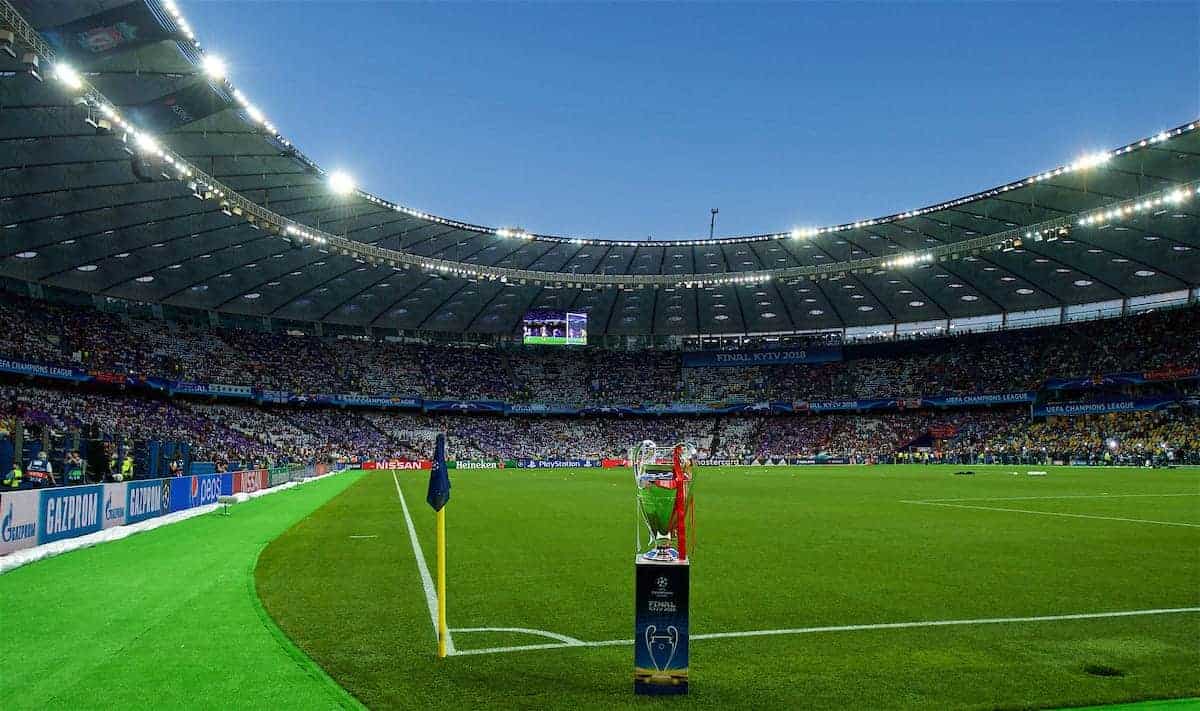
944	458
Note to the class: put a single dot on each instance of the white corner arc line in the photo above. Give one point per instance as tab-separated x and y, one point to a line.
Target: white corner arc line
426	579
853	628
524	630
1055	513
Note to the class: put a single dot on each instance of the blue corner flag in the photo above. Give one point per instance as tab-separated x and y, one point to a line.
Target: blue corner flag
439	477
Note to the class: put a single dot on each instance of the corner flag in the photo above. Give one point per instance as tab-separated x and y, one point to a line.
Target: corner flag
439	477
438	495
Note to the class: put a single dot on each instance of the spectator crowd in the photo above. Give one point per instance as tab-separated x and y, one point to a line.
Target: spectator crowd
54	416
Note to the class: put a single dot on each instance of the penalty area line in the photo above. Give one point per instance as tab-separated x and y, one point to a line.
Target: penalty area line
849	628
426	578
1054	513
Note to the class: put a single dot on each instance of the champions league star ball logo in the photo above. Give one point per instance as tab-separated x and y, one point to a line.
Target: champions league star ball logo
662	582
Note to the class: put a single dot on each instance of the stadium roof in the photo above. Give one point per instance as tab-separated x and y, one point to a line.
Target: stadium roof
133	169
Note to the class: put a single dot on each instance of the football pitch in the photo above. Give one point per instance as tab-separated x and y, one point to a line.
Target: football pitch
812	587
838	587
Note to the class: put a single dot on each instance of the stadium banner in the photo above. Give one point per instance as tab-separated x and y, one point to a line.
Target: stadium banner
42	370
471	464
147	499
110	378
198	490
115	499
660	658
721	462
611	463
114	30
181	107
674	408
773	406
773	356
535	408
281	397
1129	378
610	410
464	406
558	463
278	475
250	481
381	401
819	459
398	464
1071	409
909	403
69	512
980	399
18	520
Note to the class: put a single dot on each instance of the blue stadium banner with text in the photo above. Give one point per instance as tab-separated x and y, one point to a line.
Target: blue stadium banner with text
660	640
147	499
70	511
42	370
980	399
1070	409
192	491
772	356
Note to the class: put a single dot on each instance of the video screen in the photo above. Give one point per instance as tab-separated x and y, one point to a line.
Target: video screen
555	328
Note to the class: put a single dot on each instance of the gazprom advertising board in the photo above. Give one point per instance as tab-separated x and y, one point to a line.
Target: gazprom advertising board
147	499
18	520
69	512
114	504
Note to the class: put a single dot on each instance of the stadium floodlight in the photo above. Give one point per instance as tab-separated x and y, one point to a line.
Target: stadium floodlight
213	66
341	183
67	75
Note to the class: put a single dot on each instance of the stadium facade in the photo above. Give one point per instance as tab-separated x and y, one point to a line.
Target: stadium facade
136	176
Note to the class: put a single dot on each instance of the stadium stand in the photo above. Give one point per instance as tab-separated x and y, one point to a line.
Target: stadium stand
224	431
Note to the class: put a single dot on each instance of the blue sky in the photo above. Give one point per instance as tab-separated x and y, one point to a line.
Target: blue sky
628	120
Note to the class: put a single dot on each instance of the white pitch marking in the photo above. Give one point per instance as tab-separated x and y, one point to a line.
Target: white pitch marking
426	579
853	628
524	630
1055	513
1064	496
357	537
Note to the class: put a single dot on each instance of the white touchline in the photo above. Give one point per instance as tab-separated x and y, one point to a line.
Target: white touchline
850	628
1055	513
1064	496
426	579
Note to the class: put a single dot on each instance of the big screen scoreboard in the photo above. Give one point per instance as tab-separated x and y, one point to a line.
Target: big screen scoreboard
555	328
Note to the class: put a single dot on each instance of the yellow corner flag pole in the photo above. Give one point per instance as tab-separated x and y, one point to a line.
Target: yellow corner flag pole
441	580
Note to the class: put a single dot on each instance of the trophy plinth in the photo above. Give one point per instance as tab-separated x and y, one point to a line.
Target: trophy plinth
664	505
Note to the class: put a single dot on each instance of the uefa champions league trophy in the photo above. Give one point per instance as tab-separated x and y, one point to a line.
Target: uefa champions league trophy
664	498
662	567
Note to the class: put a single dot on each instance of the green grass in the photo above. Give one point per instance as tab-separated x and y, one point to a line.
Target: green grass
170	618
775	548
163	619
